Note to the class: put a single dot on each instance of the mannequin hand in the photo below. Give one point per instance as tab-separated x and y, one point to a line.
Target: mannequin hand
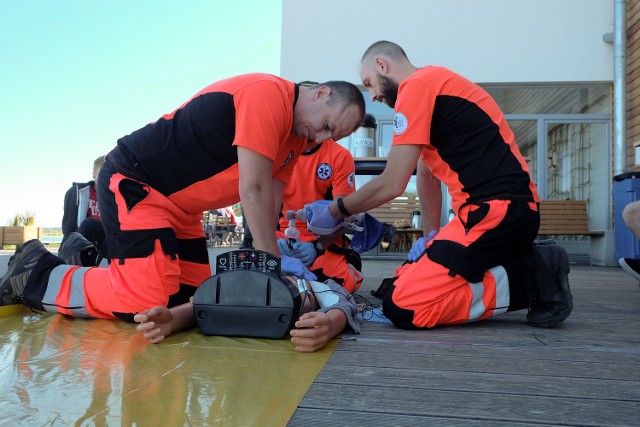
156	323
312	331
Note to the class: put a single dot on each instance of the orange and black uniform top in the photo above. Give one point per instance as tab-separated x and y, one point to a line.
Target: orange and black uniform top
465	139
324	172
190	155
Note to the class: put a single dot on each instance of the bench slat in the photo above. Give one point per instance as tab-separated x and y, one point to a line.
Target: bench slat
569	217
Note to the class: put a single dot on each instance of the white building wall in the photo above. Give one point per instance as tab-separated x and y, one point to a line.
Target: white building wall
487	41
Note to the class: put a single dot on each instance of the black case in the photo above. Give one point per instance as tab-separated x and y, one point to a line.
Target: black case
246	303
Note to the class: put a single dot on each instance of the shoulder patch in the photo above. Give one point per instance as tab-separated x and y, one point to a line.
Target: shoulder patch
351	179
400	123
324	171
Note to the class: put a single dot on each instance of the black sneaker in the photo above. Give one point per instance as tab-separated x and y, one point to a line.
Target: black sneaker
631	266
72	247
554	301
20	266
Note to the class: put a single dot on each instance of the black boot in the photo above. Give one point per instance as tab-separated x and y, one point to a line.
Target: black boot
553	301
75	249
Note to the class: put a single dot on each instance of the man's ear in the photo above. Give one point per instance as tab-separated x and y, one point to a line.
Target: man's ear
382	65
321	92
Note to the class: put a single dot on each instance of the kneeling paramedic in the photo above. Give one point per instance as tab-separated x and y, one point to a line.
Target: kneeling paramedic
485	261
236	140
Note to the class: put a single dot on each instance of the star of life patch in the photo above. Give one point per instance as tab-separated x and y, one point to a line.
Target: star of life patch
351	179
400	123
324	171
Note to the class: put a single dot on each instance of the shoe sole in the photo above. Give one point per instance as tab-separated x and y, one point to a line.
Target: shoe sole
22	252
626	267
555	321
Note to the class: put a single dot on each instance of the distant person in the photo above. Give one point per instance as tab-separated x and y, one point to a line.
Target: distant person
631	217
233	224
247	239
83	235
212	230
238	139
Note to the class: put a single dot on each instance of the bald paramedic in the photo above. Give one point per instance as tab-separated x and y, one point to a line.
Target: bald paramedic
236	140
484	262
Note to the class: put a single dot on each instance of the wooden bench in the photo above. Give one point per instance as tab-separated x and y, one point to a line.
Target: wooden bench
557	218
565	217
395	212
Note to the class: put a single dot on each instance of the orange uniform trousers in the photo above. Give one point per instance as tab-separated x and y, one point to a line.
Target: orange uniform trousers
472	269
157	251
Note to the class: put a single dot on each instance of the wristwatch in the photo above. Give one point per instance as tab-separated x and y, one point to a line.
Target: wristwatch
318	247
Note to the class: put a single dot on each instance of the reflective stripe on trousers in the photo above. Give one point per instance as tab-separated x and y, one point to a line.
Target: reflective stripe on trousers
478	307
66	296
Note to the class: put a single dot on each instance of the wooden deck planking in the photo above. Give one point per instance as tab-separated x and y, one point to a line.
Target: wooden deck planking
499	372
496	372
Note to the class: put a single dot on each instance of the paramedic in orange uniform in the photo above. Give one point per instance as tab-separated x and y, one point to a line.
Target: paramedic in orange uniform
236	140
326	171
483	262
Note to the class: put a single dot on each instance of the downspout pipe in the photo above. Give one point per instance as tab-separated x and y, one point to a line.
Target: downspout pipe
620	87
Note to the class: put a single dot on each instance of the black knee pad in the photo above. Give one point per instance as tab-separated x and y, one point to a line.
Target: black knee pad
400	317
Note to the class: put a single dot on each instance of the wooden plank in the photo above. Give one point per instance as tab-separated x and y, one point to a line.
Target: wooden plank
313	417
458	376
433	400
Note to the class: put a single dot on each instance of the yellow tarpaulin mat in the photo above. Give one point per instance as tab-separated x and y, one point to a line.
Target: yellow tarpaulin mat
56	370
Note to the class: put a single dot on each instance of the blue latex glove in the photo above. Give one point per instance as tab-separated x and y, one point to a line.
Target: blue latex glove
284	247
305	252
420	245
319	218
294	267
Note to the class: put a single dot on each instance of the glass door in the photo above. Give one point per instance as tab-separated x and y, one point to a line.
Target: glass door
577	166
526	135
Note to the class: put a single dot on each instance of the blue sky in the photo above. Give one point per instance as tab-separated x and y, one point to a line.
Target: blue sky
78	75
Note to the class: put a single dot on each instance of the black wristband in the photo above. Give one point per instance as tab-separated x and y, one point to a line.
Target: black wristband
318	247
341	207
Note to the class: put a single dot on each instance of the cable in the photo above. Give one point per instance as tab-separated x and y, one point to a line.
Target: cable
366	309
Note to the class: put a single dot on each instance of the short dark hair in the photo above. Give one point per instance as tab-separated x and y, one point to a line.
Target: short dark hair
345	93
387	48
